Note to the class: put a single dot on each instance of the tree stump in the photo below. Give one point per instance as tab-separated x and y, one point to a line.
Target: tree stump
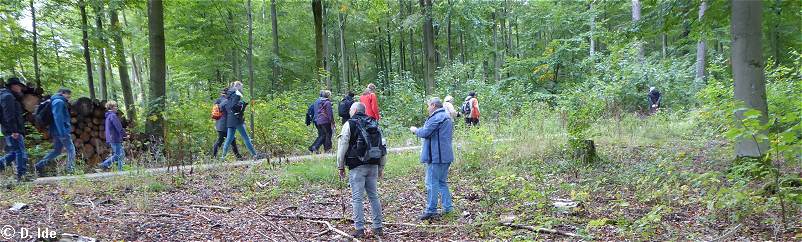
583	150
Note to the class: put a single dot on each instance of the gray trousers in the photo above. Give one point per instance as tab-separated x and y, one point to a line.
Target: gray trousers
363	179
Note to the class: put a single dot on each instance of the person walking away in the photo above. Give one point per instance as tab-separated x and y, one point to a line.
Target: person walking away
358	137
311	115
234	113
344	107
371	102
448	104
654	97
13	128
324	121
437	154
220	126
60	130
470	108
115	133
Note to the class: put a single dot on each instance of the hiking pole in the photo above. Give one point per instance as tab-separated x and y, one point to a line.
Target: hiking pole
342	195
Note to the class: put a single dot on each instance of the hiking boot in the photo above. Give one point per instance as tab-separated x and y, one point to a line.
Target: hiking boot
358	234
101	168
378	232
25	178
428	216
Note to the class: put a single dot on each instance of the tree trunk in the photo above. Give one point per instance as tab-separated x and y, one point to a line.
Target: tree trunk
317	10
389	64
122	66
401	54
35	47
701	47
747	70
109	66
428	39
85	43
412	61
326	54
496	56
592	30
104	95
56	49
276	59
776	46
158	66
636	6
448	35
356	64
250	61
343	56
462	46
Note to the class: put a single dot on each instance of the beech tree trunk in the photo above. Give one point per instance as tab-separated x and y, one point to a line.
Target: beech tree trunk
35	48
701	47
122	66
592	30
104	95
401	54
343	55
326	54
428	44
85	43
317	10
747	69
636	15
158	67
496	56
250	60
448	35
276	59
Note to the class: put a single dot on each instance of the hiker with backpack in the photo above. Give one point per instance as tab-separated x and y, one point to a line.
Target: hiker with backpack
654	97
234	113
324	122
59	128
470	108
220	126
437	155
361	148
13	128
371	102
115	133
343	109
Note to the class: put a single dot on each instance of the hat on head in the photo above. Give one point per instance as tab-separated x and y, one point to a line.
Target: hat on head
14	81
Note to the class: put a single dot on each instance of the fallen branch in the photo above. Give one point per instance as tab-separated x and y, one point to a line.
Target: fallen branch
225	209
301	217
156	215
540	230
280	229
727	234
332	228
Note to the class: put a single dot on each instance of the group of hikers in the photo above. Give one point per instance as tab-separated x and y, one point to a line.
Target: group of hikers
52	114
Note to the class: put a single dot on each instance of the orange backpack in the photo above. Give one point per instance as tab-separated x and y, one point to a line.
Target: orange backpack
216	113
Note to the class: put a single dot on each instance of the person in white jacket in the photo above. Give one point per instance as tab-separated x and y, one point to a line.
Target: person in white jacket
449	106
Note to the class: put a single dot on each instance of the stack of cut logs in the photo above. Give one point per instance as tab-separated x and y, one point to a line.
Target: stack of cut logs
88	125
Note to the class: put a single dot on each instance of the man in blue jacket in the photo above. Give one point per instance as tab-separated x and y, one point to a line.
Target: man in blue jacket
437	155
13	127
60	131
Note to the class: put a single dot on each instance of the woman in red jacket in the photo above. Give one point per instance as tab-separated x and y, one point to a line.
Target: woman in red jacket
371	102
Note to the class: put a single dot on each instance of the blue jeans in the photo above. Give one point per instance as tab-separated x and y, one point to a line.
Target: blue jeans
15	150
60	143
437	185
117	155
244	134
363	179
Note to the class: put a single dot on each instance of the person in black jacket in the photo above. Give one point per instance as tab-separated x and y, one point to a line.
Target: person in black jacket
234	114
345	106
220	127
654	97
13	127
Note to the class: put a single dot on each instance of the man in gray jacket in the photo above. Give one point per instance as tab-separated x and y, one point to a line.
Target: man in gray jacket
364	175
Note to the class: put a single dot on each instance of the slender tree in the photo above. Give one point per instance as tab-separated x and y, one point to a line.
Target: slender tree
343	56
701	47
35	47
101	51
122	65
747	70
158	67
317	10
276	59
448	34
428	45
85	43
250	59
636	15
592	30
401	54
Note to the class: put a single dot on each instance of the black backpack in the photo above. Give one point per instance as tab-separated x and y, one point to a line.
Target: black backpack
466	107
44	114
369	147
344	108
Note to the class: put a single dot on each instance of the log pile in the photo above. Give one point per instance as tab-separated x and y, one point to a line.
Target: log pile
88	125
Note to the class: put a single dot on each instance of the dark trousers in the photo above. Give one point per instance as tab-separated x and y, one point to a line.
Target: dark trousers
323	138
221	137
472	121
